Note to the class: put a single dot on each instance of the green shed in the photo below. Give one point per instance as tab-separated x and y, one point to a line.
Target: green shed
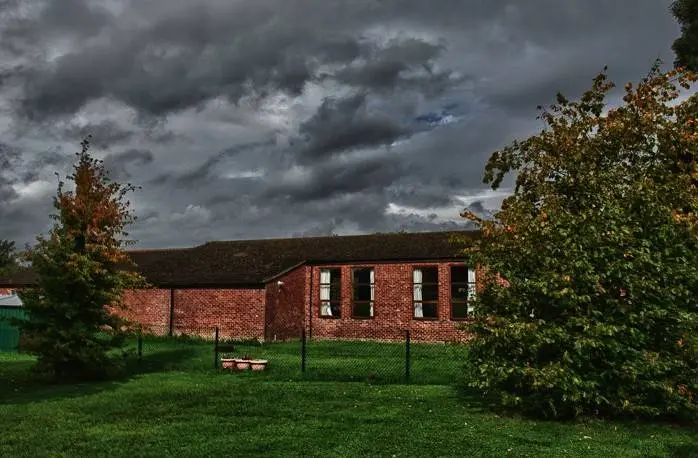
10	307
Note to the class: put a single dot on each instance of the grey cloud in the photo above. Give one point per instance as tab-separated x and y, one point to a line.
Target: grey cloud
197	53
328	180
413	192
20	34
346	123
206	170
104	134
387	69
118	163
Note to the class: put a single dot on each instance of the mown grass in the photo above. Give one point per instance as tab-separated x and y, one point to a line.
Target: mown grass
377	362
179	406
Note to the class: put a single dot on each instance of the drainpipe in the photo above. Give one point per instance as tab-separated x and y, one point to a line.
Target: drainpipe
172	297
310	305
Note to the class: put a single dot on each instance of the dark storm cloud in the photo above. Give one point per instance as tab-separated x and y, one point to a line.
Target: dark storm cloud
328	181
370	127
199	52
104	134
9	159
346	123
118	164
20	33
402	64
413	192
206	170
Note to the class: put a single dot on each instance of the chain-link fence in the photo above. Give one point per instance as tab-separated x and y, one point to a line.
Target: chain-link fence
303	358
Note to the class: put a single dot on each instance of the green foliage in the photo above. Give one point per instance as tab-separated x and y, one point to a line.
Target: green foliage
686	46
7	255
82	272
598	246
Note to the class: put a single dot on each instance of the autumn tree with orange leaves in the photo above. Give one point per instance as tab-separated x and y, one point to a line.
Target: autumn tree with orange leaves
599	247
82	270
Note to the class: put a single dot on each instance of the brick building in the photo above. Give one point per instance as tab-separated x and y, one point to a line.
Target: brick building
355	287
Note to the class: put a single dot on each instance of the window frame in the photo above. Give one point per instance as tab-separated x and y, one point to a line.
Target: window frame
335	281
372	285
470	288
430	302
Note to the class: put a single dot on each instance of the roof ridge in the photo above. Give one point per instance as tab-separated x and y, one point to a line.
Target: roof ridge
210	242
154	250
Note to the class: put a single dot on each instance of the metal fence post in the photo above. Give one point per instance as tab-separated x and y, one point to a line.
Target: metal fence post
407	355
303	351
215	350
140	346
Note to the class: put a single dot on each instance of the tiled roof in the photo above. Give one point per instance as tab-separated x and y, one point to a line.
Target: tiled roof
252	262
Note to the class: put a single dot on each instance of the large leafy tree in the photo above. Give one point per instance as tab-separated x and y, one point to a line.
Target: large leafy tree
598	246
686	46
82	270
7	255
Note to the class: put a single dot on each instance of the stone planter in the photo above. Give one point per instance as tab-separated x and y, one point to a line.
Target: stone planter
227	363
242	364
258	364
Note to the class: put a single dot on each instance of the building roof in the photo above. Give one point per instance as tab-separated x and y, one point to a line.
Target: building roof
10	300
254	262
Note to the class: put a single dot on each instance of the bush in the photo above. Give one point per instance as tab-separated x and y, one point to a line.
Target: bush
599	248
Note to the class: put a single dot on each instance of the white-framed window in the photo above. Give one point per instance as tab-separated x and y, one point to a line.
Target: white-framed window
425	286
364	292
330	293
463	290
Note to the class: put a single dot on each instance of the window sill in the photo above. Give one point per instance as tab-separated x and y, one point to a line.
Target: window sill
462	319
362	317
330	317
425	318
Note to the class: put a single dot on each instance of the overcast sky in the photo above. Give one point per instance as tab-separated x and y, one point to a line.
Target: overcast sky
277	118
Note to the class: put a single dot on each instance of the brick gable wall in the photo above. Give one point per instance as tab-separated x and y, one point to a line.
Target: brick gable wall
287	305
238	313
393	306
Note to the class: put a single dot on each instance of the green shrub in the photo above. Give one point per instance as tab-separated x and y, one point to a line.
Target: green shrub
599	245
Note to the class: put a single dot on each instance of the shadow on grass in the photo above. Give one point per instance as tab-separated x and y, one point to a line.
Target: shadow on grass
162	361
19	385
683	450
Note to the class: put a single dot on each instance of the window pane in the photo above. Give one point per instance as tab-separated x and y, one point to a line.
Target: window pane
362	275
325	309
362	292
429	310
362	309
430	293
459	293
335	276
324	292
336	309
459	274
335	292
430	275
459	311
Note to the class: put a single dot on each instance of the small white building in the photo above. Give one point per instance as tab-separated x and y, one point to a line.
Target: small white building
10	300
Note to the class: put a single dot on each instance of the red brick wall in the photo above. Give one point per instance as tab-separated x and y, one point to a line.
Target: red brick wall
239	313
393	313
286	305
148	307
6	291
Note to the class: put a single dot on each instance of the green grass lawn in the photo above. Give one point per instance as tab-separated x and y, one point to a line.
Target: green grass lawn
179	406
325	360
